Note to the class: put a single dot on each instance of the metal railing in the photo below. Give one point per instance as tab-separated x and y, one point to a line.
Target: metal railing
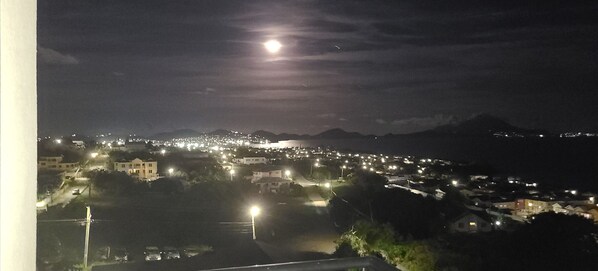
361	263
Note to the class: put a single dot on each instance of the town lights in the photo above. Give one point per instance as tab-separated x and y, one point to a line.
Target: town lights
254	211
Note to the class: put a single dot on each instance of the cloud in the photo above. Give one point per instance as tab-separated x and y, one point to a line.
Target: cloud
426	122
205	91
118	73
342	119
50	56
380	121
326	115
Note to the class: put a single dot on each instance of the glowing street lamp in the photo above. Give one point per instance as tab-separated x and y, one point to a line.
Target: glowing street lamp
232	173
163	151
343	171
287	173
58	141
93	155
170	171
455	183
254	211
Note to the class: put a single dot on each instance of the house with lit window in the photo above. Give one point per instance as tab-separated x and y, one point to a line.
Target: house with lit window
527	207
471	222
55	163
143	170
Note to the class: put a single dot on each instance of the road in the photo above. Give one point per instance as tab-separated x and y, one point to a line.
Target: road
302	227
63	196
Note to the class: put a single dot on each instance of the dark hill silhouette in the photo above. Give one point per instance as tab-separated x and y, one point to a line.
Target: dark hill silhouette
479	125
182	133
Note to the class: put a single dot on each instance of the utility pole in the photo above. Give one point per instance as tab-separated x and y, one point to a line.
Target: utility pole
371	213
87	228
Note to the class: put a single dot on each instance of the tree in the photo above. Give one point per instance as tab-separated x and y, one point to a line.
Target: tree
113	182
367	238
555	242
167	186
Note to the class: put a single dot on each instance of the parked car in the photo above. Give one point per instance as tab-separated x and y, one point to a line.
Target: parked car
190	251
120	255
152	254
170	253
76	191
103	253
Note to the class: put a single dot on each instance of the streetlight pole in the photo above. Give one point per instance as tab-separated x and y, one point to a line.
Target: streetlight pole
87	229
343	172
254	211
232	173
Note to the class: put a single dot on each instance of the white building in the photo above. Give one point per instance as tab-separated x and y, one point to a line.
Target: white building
273	185
250	160
266	172
269	180
55	163
143	170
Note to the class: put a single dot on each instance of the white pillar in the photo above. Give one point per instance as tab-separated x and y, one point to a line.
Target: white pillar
18	130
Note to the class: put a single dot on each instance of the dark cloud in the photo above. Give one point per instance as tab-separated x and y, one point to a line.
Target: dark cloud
387	66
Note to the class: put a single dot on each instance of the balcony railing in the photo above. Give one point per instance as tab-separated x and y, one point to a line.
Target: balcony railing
362	263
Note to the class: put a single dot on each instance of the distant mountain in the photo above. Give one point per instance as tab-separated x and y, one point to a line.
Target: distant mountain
182	133
264	134
220	132
480	125
337	133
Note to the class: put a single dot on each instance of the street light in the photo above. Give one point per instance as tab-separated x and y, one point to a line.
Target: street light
163	151
93	155
254	211
232	173
343	171
170	171
287	173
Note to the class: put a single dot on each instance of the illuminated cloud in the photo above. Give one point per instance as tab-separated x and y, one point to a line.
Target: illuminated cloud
50	56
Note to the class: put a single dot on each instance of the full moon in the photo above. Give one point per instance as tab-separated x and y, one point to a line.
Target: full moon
273	46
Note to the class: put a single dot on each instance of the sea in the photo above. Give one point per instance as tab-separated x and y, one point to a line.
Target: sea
569	163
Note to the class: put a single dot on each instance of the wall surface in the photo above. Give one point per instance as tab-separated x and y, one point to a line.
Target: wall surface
18	129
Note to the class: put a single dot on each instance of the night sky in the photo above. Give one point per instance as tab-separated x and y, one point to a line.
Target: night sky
368	66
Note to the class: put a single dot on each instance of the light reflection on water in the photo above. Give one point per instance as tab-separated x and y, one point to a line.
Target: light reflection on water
559	160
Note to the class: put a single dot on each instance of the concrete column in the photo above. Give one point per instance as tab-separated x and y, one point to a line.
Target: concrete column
18	130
